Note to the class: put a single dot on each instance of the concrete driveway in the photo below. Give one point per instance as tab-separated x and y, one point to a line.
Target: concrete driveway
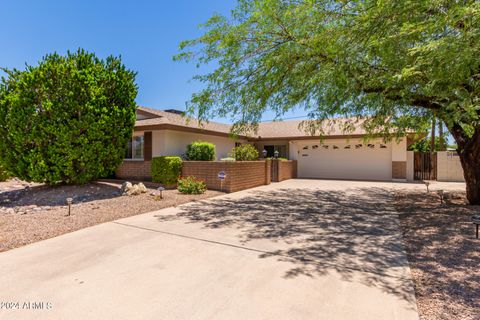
300	249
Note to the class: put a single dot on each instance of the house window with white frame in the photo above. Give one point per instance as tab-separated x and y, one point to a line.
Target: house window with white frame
134	150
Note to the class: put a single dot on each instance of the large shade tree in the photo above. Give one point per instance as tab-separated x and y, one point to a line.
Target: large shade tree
67	119
393	63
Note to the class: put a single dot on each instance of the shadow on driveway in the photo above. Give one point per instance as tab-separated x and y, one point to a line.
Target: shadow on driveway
354	232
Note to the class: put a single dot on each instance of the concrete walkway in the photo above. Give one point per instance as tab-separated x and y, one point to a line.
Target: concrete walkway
300	249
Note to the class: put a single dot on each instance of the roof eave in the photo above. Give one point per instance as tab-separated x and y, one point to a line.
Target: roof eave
185	129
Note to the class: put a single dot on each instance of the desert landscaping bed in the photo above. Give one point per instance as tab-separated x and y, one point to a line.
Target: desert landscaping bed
443	253
33	212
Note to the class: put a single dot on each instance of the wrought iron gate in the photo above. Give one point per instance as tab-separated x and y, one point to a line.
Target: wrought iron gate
425	166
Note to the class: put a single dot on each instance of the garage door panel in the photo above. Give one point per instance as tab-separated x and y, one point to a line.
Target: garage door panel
356	160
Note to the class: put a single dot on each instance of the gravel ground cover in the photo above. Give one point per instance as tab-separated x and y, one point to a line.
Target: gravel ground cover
33	212
443	253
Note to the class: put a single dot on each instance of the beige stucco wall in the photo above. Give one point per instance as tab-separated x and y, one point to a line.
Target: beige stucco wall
449	167
293	150
171	142
410	166
399	150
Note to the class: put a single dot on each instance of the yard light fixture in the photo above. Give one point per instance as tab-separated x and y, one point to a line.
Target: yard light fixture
276	154
264	152
441	195
476	222
69	203
161	189
427	184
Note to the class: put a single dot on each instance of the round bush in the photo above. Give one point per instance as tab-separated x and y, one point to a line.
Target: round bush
191	185
201	151
68	119
245	152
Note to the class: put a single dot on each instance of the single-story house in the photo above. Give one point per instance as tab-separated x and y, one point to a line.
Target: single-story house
336	156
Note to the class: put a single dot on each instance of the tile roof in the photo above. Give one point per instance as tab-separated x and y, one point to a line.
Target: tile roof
173	119
306	128
266	130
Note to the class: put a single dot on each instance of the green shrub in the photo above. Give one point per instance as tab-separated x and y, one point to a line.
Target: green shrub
191	185
67	119
245	152
227	159
201	151
3	174
166	170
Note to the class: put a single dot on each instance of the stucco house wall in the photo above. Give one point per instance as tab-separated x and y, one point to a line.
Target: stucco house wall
449	168
172	142
410	166
399	159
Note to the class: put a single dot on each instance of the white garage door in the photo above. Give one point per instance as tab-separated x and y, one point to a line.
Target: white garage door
345	160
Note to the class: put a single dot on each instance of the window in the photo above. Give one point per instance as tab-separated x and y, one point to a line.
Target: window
282	150
134	148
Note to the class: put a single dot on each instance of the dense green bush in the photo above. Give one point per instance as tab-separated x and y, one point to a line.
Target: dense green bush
166	170
191	185
201	151
3	174
68	119
245	152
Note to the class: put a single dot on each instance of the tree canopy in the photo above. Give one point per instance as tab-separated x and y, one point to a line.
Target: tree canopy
394	62
68	119
387	65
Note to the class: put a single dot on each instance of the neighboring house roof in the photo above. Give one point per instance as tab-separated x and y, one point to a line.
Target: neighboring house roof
156	119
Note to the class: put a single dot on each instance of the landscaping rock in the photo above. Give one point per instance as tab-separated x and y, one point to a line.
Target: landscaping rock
142	188
126	187
129	189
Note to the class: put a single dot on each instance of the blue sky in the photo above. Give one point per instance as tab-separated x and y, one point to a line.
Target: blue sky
145	33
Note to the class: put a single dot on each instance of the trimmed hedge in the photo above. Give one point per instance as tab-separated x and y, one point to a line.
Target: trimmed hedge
191	185
245	152
201	151
166	170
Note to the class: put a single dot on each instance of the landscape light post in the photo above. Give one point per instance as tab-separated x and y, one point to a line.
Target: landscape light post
69	203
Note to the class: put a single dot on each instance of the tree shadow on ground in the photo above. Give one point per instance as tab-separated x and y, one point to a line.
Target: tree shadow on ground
443	253
352	232
44	195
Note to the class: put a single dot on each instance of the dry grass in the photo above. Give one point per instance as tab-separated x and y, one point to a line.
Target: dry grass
443	253
34	212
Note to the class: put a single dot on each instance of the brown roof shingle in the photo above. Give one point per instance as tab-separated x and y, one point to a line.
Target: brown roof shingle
266	130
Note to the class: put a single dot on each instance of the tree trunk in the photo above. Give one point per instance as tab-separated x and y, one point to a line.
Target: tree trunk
469	152
432	141
442	146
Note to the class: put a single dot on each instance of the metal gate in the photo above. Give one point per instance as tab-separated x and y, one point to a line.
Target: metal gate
425	166
274	172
